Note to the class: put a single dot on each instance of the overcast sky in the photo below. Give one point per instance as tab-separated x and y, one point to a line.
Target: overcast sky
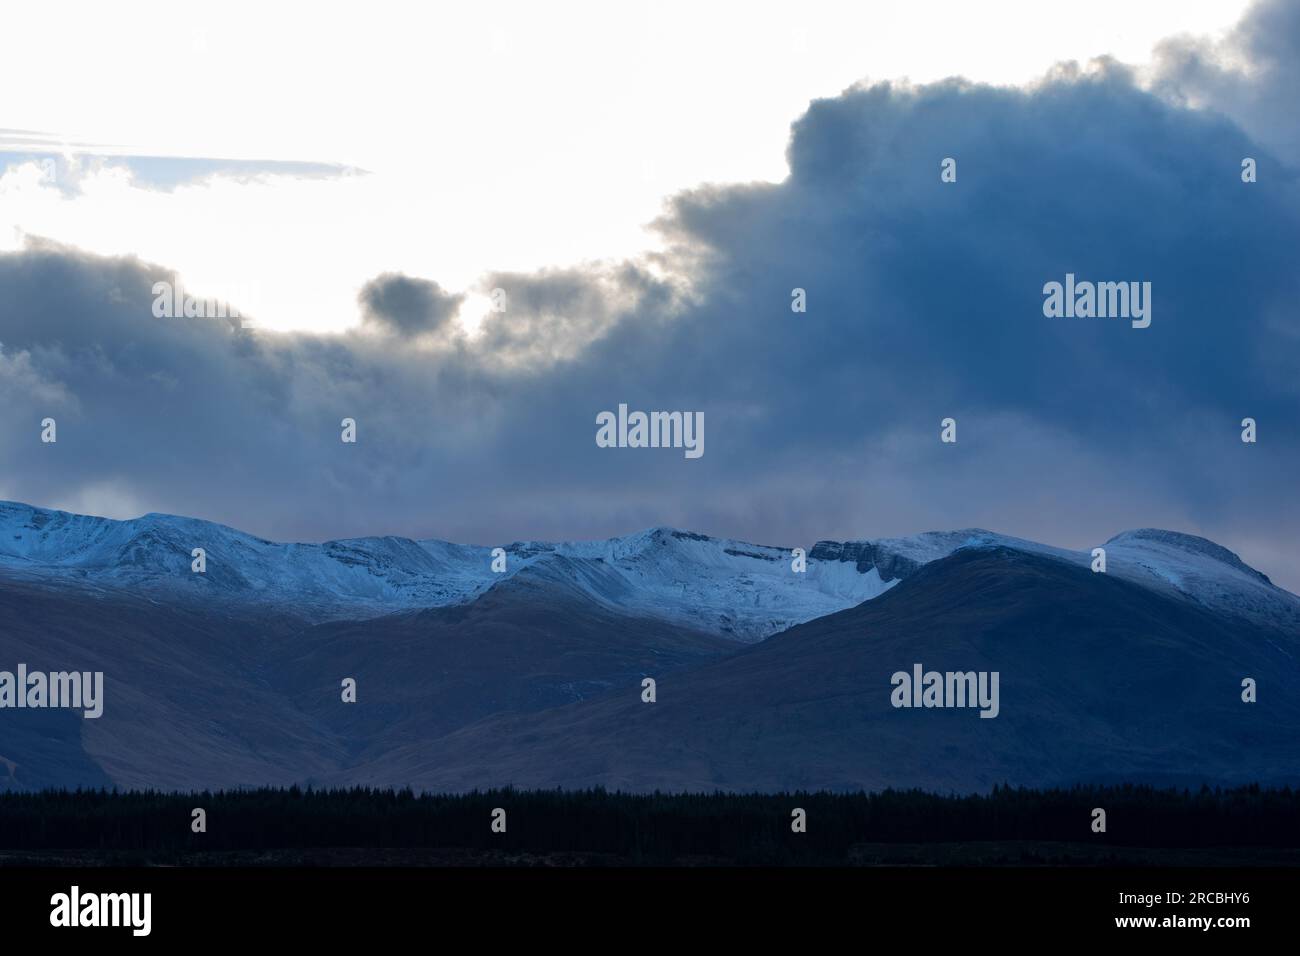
648	188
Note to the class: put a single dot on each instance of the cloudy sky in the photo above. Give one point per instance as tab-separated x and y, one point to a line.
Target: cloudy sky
648	185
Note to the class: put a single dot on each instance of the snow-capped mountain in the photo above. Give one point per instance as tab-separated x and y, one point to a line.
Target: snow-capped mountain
1101	681
768	678
732	588
739	590
153	553
1171	562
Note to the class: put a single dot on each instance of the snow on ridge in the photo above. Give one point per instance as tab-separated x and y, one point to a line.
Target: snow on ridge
727	586
730	587
1173	562
377	574
741	590
1157	540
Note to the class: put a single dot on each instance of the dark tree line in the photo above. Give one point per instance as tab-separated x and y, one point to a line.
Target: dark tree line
746	828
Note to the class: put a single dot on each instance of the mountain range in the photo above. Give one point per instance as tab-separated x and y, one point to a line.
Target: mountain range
470	674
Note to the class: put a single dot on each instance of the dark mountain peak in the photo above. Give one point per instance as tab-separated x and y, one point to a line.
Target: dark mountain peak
975	575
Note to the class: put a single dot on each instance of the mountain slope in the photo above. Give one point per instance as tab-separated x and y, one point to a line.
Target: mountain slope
1171	562
185	704
1100	679
528	644
201	696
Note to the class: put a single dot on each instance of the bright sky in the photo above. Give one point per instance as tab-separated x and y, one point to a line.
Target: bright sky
495	135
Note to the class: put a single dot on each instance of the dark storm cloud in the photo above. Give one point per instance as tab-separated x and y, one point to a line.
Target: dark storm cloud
924	301
407	306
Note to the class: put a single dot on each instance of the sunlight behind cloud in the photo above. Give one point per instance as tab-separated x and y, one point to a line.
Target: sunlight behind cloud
495	137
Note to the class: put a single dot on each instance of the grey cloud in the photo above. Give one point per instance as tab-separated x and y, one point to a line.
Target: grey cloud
407	306
557	314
